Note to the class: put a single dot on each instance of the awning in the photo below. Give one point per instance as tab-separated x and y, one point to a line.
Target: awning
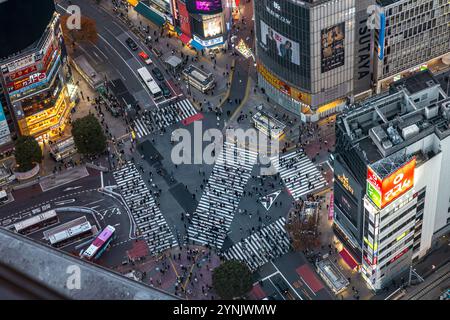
184	38
349	260
147	12
196	45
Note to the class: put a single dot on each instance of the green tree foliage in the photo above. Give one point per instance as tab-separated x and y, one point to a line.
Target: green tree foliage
232	279
88	135
27	153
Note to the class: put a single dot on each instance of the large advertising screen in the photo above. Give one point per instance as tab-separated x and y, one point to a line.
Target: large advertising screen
204	6
383	191
275	44
185	25
332	47
346	204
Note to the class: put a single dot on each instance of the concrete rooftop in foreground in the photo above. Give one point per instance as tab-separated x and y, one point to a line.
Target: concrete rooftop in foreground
49	266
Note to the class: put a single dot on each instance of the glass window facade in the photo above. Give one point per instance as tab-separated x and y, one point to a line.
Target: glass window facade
283	40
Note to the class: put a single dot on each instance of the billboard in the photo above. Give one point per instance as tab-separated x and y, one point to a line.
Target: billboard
275	44
383	191
332	53
282	86
381	36
185	25
204	6
18	64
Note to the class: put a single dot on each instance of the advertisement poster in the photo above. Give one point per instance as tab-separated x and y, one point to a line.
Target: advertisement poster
383	192
276	44
204	6
185	25
332	47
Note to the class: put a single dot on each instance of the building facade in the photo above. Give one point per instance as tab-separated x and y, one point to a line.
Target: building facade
413	35
35	84
305	54
392	189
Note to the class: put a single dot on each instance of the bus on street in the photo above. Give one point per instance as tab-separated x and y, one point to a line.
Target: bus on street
99	245
150	83
37	222
71	234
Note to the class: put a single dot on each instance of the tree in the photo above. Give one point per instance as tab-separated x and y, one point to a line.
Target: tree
86	33
88	135
303	232
27	152
232	279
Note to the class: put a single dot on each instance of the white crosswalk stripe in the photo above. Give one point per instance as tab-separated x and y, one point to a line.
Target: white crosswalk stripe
162	117
144	209
268	243
299	174
214	214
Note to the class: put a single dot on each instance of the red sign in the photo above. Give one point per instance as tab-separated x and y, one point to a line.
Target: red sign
393	186
185	25
398	183
23	72
399	255
373	179
36	77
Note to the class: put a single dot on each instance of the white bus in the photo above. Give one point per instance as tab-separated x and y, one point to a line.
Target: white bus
150	82
72	234
199	79
37	222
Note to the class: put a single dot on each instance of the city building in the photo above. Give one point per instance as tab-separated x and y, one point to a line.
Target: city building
305	54
391	181
201	24
413	35
34	73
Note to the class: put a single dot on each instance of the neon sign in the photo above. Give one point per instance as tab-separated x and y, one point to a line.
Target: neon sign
383	191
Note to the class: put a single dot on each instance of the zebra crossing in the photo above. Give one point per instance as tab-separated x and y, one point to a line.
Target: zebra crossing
215	211
144	209
161	117
268	243
299	174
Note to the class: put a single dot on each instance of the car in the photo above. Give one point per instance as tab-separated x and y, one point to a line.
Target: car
145	57
130	42
157	52
158	74
165	90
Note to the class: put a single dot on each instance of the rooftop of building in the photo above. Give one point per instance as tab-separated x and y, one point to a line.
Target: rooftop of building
22	24
381	127
52	268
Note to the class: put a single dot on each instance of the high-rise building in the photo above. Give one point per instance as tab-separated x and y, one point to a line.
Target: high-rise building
305	54
413	35
392	183
33	69
316	56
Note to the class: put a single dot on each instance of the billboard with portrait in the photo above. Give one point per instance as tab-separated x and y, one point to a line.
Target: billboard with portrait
332	51
275	44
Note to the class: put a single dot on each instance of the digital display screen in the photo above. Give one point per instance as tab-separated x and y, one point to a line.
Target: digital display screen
204	6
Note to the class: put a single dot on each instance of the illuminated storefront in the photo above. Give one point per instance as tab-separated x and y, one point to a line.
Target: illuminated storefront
37	88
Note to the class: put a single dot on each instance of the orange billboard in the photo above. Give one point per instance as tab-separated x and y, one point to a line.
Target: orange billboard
393	186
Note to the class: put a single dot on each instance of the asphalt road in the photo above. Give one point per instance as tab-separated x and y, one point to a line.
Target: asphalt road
110	55
82	193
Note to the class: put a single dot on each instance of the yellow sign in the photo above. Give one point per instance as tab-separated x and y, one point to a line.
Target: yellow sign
344	181
283	87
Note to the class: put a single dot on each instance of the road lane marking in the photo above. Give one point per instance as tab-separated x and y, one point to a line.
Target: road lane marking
293	289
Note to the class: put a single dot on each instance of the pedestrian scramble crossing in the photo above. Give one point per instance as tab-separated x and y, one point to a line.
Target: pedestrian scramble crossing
299	174
269	243
212	219
161	117
144	210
